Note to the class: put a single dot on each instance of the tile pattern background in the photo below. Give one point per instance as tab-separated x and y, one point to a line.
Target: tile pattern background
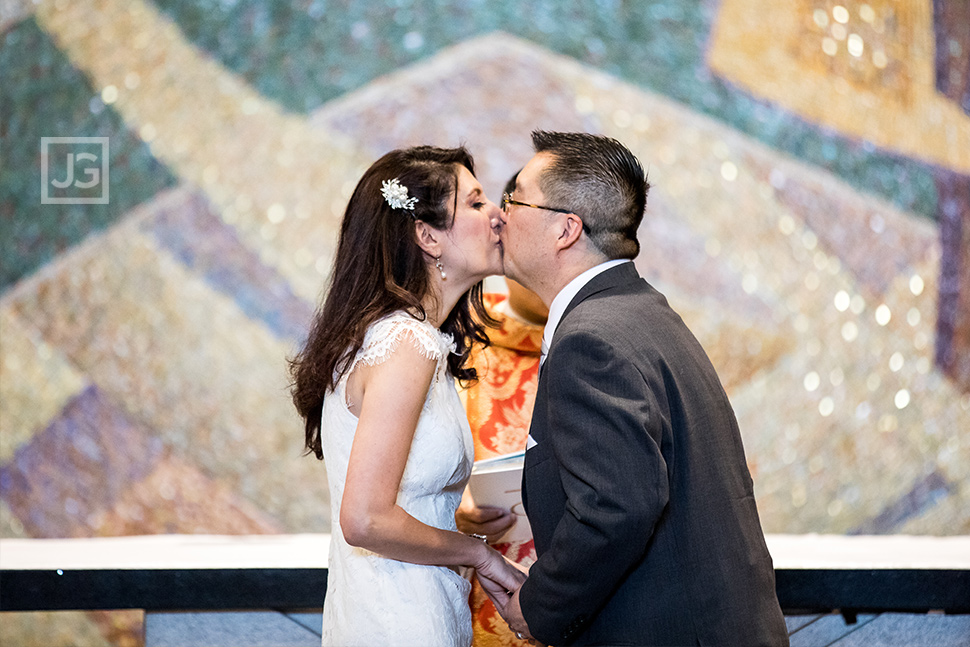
822	259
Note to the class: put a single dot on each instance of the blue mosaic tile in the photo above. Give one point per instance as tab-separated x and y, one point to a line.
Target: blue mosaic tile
79	466
194	233
950	20
925	493
869	241
44	95
953	318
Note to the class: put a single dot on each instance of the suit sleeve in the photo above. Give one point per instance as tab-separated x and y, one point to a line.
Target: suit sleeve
605	430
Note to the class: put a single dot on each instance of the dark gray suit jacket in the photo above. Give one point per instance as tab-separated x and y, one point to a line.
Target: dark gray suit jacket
638	492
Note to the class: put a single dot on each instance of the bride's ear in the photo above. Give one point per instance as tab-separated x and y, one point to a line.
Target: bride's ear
428	238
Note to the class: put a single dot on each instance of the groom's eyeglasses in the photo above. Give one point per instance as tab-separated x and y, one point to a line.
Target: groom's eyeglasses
507	200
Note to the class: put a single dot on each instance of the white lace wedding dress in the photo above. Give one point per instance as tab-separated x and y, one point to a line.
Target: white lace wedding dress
371	600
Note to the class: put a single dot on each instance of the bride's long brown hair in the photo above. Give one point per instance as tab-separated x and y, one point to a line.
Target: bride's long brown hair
378	269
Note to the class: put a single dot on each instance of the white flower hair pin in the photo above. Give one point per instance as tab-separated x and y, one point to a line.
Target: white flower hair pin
396	195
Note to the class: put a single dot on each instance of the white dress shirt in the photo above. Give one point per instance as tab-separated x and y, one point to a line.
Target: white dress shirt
558	306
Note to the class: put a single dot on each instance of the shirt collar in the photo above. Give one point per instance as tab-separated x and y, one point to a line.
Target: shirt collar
558	306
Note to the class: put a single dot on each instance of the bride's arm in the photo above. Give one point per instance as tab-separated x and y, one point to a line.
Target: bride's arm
393	394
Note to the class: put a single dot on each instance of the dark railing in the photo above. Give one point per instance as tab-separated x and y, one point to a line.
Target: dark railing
813	574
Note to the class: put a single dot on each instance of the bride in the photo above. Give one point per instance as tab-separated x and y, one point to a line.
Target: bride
375	386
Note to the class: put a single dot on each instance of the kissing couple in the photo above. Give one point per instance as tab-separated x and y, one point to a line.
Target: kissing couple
635	480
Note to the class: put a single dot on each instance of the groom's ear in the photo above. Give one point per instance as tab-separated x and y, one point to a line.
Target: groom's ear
428	238
570	230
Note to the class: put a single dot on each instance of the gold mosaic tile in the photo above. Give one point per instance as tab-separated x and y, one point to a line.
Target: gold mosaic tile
944	412
738	347
870	413
121	628
282	184
10	526
51	629
869	44
882	416
863	68
177	498
36	381
185	360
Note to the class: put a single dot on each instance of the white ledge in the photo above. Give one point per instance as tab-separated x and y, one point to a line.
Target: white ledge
863	552
166	552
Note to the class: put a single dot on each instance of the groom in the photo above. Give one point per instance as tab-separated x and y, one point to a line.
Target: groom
635	480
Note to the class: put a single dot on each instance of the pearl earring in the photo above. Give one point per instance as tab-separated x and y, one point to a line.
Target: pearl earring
441	268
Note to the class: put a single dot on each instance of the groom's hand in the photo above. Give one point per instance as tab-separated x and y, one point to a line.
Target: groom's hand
513	616
497	593
499	579
506	602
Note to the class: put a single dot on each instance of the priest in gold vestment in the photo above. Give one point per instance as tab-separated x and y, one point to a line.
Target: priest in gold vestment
499	408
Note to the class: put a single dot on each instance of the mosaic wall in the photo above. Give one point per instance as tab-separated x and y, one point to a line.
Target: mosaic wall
810	218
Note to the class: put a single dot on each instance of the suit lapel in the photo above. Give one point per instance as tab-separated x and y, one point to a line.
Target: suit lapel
613	277
531	487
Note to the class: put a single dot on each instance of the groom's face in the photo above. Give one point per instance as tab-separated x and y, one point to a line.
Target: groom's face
526	231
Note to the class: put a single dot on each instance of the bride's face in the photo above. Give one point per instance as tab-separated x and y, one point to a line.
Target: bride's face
471	248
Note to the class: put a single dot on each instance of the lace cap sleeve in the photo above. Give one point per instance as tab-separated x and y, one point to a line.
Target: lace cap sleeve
387	334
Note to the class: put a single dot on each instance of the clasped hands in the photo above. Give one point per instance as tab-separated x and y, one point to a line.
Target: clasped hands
500	578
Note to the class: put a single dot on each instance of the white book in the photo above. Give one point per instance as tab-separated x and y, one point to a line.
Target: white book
498	482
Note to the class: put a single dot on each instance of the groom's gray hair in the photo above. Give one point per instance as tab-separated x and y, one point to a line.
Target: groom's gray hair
601	181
